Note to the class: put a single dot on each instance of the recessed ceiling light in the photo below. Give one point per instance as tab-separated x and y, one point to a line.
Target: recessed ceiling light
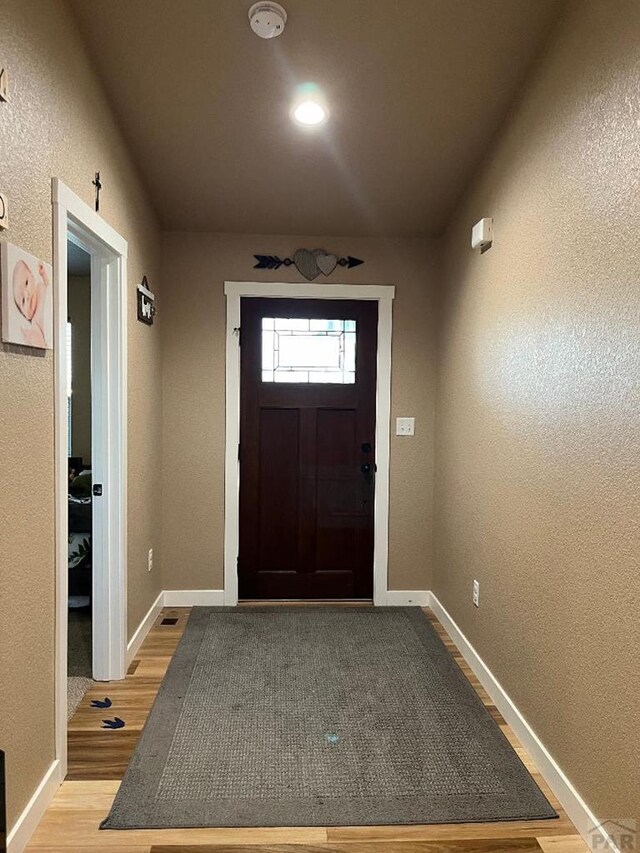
310	113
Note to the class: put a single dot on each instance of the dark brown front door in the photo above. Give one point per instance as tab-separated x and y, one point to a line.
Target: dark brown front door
307	448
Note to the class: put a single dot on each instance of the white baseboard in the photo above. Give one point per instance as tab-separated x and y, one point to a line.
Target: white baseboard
406	598
215	598
26	824
193	597
144	627
573	804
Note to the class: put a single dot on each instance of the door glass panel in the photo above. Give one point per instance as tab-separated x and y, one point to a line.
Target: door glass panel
309	351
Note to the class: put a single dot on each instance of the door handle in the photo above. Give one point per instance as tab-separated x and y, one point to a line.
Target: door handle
368	469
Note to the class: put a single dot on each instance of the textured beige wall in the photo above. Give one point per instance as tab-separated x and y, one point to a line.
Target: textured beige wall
57	123
538	427
79	301
195	267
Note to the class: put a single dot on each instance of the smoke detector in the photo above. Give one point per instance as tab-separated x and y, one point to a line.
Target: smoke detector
267	19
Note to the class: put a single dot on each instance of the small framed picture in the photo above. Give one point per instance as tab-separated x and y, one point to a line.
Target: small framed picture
146	303
27	298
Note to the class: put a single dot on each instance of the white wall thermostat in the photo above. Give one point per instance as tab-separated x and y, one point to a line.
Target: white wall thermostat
482	234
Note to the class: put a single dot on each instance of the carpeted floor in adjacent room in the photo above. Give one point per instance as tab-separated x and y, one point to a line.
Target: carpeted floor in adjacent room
79	662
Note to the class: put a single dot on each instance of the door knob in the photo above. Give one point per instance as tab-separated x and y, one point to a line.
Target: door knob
368	469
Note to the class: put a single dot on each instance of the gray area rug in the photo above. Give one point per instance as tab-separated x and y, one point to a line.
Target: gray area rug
319	716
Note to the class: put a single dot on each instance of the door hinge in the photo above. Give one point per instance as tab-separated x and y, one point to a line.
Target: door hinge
238	333
238	451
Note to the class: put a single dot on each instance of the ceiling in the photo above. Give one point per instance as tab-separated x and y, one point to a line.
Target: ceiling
416	90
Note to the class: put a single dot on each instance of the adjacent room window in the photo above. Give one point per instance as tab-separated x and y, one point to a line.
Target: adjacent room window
69	386
309	351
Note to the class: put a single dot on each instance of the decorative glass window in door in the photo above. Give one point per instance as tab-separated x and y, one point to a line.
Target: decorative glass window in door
309	351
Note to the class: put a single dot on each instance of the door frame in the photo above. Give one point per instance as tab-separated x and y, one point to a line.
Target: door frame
76	221
383	294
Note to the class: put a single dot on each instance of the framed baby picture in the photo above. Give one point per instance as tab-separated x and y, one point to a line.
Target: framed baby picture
27	300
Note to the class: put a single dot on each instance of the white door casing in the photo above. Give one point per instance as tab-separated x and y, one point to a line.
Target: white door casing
75	220
384	295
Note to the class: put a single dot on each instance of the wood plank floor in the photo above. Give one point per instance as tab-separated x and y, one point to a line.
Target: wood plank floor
99	757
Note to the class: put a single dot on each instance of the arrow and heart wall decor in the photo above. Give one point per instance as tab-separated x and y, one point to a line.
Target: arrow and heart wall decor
309	262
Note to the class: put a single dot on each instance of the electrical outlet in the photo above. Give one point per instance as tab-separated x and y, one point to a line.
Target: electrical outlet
4	84
476	593
4	212
150	559
405	426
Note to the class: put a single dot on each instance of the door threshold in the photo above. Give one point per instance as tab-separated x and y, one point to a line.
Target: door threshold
306	602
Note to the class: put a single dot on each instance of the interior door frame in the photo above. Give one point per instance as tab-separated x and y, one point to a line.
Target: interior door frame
383	294
76	221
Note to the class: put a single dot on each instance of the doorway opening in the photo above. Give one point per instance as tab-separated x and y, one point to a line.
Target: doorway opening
90	448
80	497
308	375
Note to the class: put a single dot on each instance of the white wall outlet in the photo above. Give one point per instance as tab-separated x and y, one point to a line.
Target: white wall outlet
4	212
150	559
476	593
4	85
405	426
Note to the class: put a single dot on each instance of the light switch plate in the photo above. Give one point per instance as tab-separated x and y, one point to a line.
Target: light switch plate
405	426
